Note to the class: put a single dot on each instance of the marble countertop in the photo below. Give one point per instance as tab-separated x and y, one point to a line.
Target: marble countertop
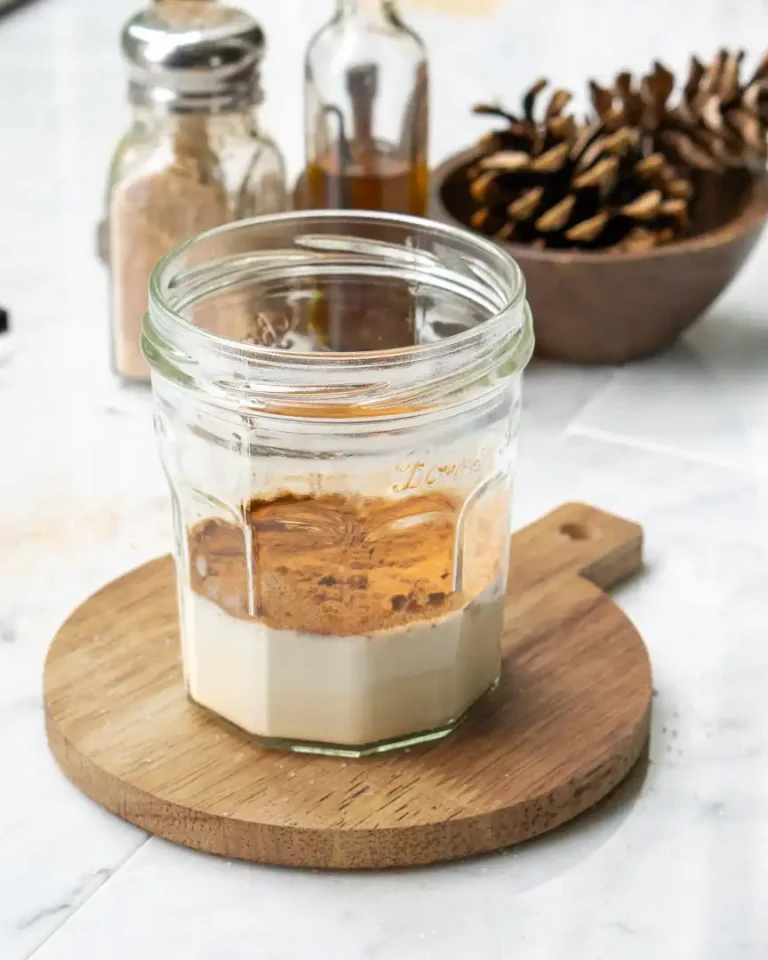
677	866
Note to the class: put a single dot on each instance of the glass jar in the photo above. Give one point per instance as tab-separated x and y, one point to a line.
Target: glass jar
366	107
194	157
341	511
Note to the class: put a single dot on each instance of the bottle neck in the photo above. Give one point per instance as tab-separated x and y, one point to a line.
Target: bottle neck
158	118
370	9
169	93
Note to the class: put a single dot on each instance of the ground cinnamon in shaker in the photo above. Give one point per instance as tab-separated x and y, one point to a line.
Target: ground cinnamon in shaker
193	159
150	213
336	566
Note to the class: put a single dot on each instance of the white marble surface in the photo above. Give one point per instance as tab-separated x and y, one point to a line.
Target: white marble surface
677	865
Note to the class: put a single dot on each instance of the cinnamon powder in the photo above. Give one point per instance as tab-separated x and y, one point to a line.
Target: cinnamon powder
151	212
335	565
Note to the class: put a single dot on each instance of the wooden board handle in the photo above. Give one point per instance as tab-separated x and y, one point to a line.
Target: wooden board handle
576	540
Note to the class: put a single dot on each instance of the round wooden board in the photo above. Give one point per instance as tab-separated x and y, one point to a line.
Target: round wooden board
567	722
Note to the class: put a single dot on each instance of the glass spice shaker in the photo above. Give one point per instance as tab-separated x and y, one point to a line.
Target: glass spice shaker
366	103
194	157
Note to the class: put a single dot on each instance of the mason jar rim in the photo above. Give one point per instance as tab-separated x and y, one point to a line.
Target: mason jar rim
166	330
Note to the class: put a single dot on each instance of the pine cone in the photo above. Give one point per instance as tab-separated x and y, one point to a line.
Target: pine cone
719	123
555	183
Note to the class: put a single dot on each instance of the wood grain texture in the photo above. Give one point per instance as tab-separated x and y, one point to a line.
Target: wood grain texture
566	723
599	307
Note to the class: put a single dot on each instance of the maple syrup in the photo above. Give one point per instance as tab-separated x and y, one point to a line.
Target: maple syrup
379	182
367	112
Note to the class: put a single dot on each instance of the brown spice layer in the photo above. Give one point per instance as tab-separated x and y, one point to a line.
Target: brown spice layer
151	212
331	564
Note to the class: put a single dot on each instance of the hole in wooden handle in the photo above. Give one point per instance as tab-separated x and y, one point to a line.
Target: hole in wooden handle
575	531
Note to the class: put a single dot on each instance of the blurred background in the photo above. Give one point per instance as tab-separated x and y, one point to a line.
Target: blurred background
677	443
64	107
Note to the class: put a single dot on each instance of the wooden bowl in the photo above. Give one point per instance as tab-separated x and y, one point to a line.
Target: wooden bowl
603	307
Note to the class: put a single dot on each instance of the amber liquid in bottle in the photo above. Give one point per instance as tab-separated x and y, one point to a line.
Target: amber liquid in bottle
350	315
375	181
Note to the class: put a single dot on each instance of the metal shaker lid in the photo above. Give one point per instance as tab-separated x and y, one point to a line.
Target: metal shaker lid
193	54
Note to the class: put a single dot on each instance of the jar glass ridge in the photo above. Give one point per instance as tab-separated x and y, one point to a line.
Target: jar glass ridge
337	400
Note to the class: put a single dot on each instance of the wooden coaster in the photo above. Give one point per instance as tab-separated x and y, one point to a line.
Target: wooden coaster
565	725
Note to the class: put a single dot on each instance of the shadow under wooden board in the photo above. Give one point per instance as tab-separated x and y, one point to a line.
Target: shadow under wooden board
566	724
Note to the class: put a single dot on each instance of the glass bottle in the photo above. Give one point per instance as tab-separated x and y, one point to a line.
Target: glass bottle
194	157
366	104
341	511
